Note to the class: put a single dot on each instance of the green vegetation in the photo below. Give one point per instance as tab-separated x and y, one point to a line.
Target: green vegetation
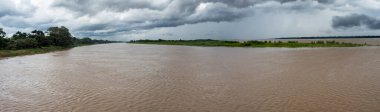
20	52
209	42
57	38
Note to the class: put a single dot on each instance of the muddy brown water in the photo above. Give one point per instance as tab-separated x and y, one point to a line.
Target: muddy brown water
158	78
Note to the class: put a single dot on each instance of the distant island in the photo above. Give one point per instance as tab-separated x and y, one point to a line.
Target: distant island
56	38
331	37
252	43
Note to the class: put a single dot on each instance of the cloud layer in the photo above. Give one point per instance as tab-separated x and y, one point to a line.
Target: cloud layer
129	19
356	20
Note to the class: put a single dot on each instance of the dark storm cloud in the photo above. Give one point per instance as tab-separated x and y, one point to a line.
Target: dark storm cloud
115	17
319	1
9	9
93	27
176	13
164	13
94	6
7	12
15	22
355	20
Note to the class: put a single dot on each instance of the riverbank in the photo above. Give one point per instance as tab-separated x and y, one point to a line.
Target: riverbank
21	52
289	44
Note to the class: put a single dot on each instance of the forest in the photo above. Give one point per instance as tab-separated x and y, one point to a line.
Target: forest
37	41
54	36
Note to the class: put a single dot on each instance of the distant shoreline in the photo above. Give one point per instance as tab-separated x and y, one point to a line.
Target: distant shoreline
252	43
333	37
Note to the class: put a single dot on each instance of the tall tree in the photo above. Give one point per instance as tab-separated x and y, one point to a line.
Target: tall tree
60	36
40	37
2	33
19	35
3	41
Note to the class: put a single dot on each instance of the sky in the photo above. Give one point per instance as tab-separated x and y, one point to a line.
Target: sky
194	19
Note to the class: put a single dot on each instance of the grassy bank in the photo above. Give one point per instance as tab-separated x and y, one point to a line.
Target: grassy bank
21	52
208	42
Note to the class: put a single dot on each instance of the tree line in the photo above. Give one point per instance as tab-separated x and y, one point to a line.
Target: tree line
54	36
251	43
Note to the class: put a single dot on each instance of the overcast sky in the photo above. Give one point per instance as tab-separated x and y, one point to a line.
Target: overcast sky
194	19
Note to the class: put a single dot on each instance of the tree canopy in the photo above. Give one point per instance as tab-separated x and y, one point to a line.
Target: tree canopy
2	33
60	36
56	36
3	41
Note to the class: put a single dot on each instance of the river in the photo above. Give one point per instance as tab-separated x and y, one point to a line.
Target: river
159	78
